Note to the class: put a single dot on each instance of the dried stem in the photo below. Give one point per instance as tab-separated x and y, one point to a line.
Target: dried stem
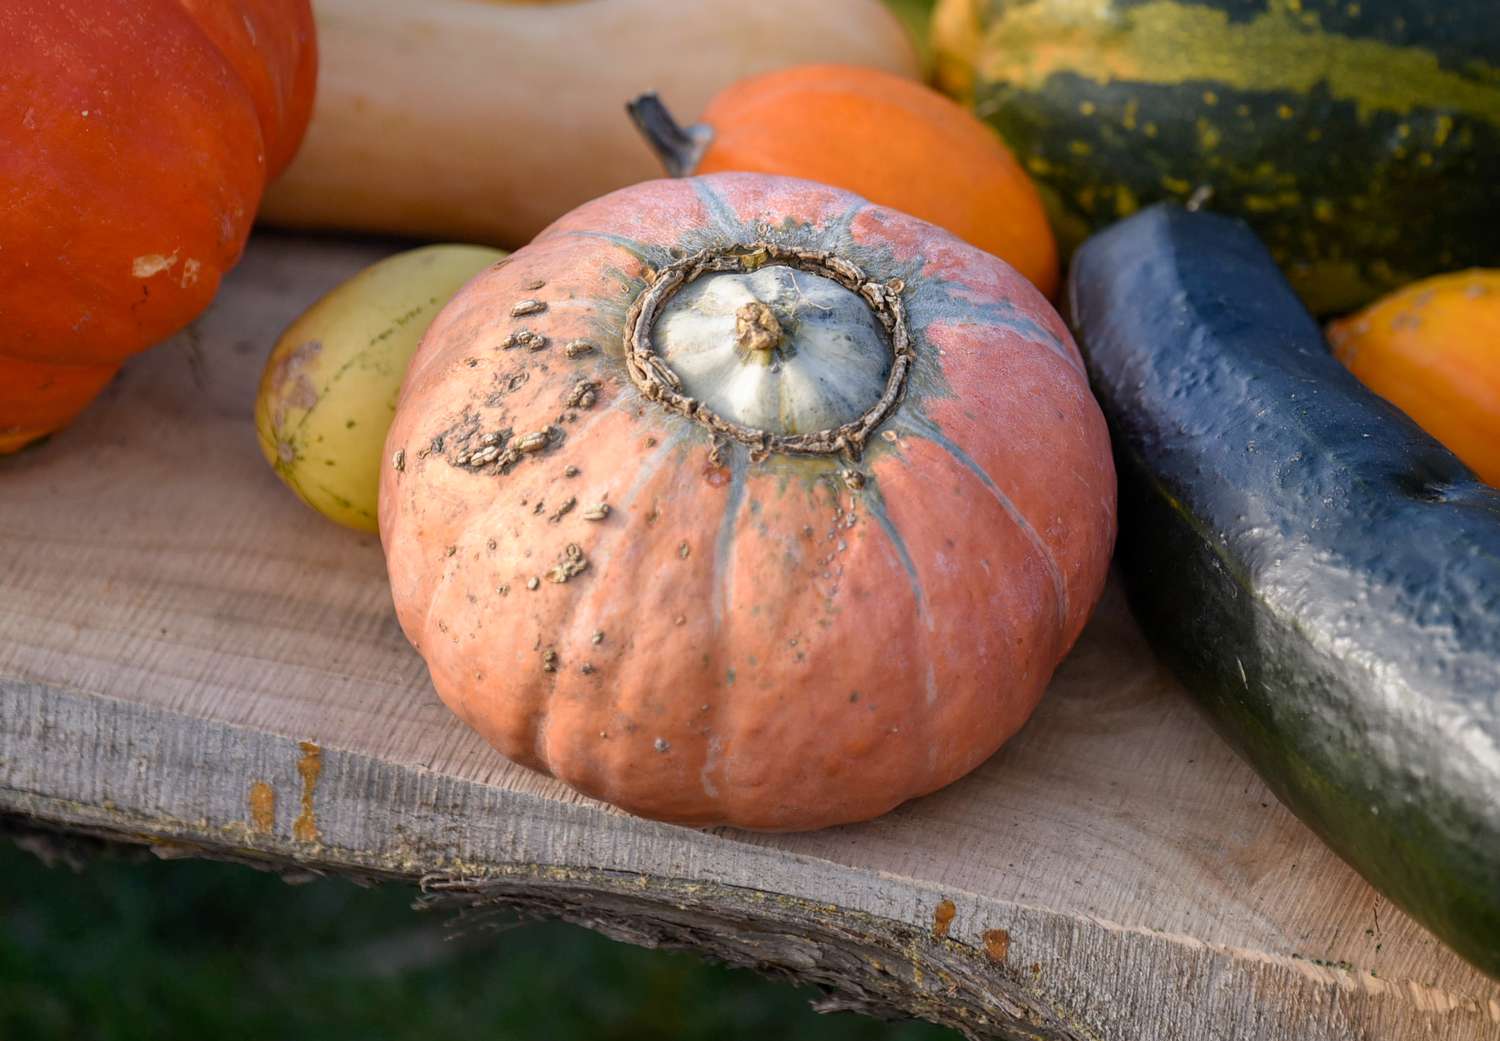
678	147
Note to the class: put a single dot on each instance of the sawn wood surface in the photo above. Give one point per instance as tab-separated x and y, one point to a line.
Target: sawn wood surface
190	657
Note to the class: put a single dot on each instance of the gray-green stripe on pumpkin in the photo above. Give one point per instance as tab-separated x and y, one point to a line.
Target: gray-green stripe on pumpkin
1360	139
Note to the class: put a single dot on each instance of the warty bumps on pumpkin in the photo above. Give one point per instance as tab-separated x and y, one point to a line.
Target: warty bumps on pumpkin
740	500
136	137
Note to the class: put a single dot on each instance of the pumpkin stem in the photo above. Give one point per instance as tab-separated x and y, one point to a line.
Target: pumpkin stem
870	311
756	328
678	147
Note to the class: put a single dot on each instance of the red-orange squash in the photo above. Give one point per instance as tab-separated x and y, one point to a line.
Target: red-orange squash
738	499
136	137
892	140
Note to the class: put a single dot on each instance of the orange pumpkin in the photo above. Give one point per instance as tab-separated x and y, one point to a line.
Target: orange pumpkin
738	499
1432	349
892	140
136	137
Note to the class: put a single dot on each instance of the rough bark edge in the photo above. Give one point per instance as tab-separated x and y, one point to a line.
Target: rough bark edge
862	963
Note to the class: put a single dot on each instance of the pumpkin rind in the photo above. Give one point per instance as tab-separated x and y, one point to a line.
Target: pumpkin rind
1360	140
132	157
769	639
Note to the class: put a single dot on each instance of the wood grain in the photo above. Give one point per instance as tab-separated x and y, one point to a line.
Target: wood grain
190	656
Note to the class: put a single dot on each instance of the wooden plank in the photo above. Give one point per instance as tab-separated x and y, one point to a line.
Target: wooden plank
192	657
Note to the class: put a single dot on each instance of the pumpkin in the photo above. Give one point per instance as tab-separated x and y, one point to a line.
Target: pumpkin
738	499
893	141
1360	140
483	122
1432	349
136	137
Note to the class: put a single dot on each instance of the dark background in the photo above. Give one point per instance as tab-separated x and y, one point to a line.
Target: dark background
124	946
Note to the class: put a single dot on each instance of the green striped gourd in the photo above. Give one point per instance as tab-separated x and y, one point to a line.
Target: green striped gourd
1360	138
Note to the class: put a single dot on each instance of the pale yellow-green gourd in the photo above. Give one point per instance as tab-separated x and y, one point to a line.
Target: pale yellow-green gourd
329	388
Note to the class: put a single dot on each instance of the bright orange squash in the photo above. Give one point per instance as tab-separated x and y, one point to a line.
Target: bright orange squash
1432	349
738	499
136	137
889	139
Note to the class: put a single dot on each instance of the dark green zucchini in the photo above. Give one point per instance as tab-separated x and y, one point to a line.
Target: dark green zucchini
1322	575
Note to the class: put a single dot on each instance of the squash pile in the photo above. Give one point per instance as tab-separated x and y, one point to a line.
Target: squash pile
771	493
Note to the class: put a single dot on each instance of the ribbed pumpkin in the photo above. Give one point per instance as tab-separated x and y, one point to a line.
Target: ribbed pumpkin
1361	140
740	500
896	142
1433	350
136	137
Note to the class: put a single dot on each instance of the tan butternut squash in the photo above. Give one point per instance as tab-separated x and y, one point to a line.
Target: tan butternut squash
483	122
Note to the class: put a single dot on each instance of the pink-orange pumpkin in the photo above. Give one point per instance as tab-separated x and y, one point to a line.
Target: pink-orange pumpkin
738	499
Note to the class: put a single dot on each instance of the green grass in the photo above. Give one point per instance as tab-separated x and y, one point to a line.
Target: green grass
131	949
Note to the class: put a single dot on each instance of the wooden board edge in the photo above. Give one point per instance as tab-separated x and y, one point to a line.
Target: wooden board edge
876	944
